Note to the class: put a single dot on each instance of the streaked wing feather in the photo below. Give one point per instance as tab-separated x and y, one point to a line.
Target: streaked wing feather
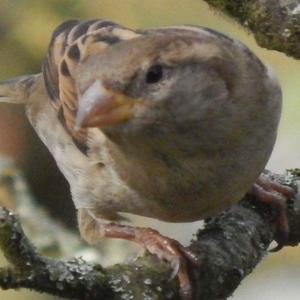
72	42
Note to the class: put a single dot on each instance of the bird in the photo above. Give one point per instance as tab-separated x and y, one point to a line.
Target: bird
174	123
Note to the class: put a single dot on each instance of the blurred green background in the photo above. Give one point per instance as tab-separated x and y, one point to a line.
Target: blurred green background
25	29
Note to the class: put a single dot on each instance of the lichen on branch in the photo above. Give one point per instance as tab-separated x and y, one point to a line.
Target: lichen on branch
274	23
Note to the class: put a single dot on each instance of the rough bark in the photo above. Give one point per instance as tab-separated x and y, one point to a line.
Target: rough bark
228	249
274	23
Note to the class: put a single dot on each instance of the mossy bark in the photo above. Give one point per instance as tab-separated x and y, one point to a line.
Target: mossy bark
274	23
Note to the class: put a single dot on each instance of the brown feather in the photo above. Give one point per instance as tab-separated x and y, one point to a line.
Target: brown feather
72	42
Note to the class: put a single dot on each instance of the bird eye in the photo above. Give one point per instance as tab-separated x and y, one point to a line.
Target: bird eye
154	74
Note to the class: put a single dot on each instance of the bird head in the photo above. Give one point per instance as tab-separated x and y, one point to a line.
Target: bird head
164	83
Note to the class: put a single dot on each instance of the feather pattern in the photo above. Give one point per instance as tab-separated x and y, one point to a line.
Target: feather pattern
72	42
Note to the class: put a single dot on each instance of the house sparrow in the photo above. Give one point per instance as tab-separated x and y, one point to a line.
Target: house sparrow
173	123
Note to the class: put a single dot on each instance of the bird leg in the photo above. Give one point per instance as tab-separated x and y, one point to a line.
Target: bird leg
274	194
164	248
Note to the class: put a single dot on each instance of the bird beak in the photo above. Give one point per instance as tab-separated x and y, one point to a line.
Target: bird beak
99	106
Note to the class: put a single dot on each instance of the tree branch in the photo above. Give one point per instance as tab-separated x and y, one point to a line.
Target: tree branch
228	249
274	23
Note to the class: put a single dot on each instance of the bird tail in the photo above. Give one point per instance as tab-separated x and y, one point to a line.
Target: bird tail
16	90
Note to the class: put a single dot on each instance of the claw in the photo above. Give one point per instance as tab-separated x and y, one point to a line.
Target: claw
163	247
171	251
275	194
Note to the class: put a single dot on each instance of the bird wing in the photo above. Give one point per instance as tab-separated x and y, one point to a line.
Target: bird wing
71	43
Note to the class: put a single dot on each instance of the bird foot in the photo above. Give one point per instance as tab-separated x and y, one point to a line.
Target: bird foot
163	247
275	194
172	251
